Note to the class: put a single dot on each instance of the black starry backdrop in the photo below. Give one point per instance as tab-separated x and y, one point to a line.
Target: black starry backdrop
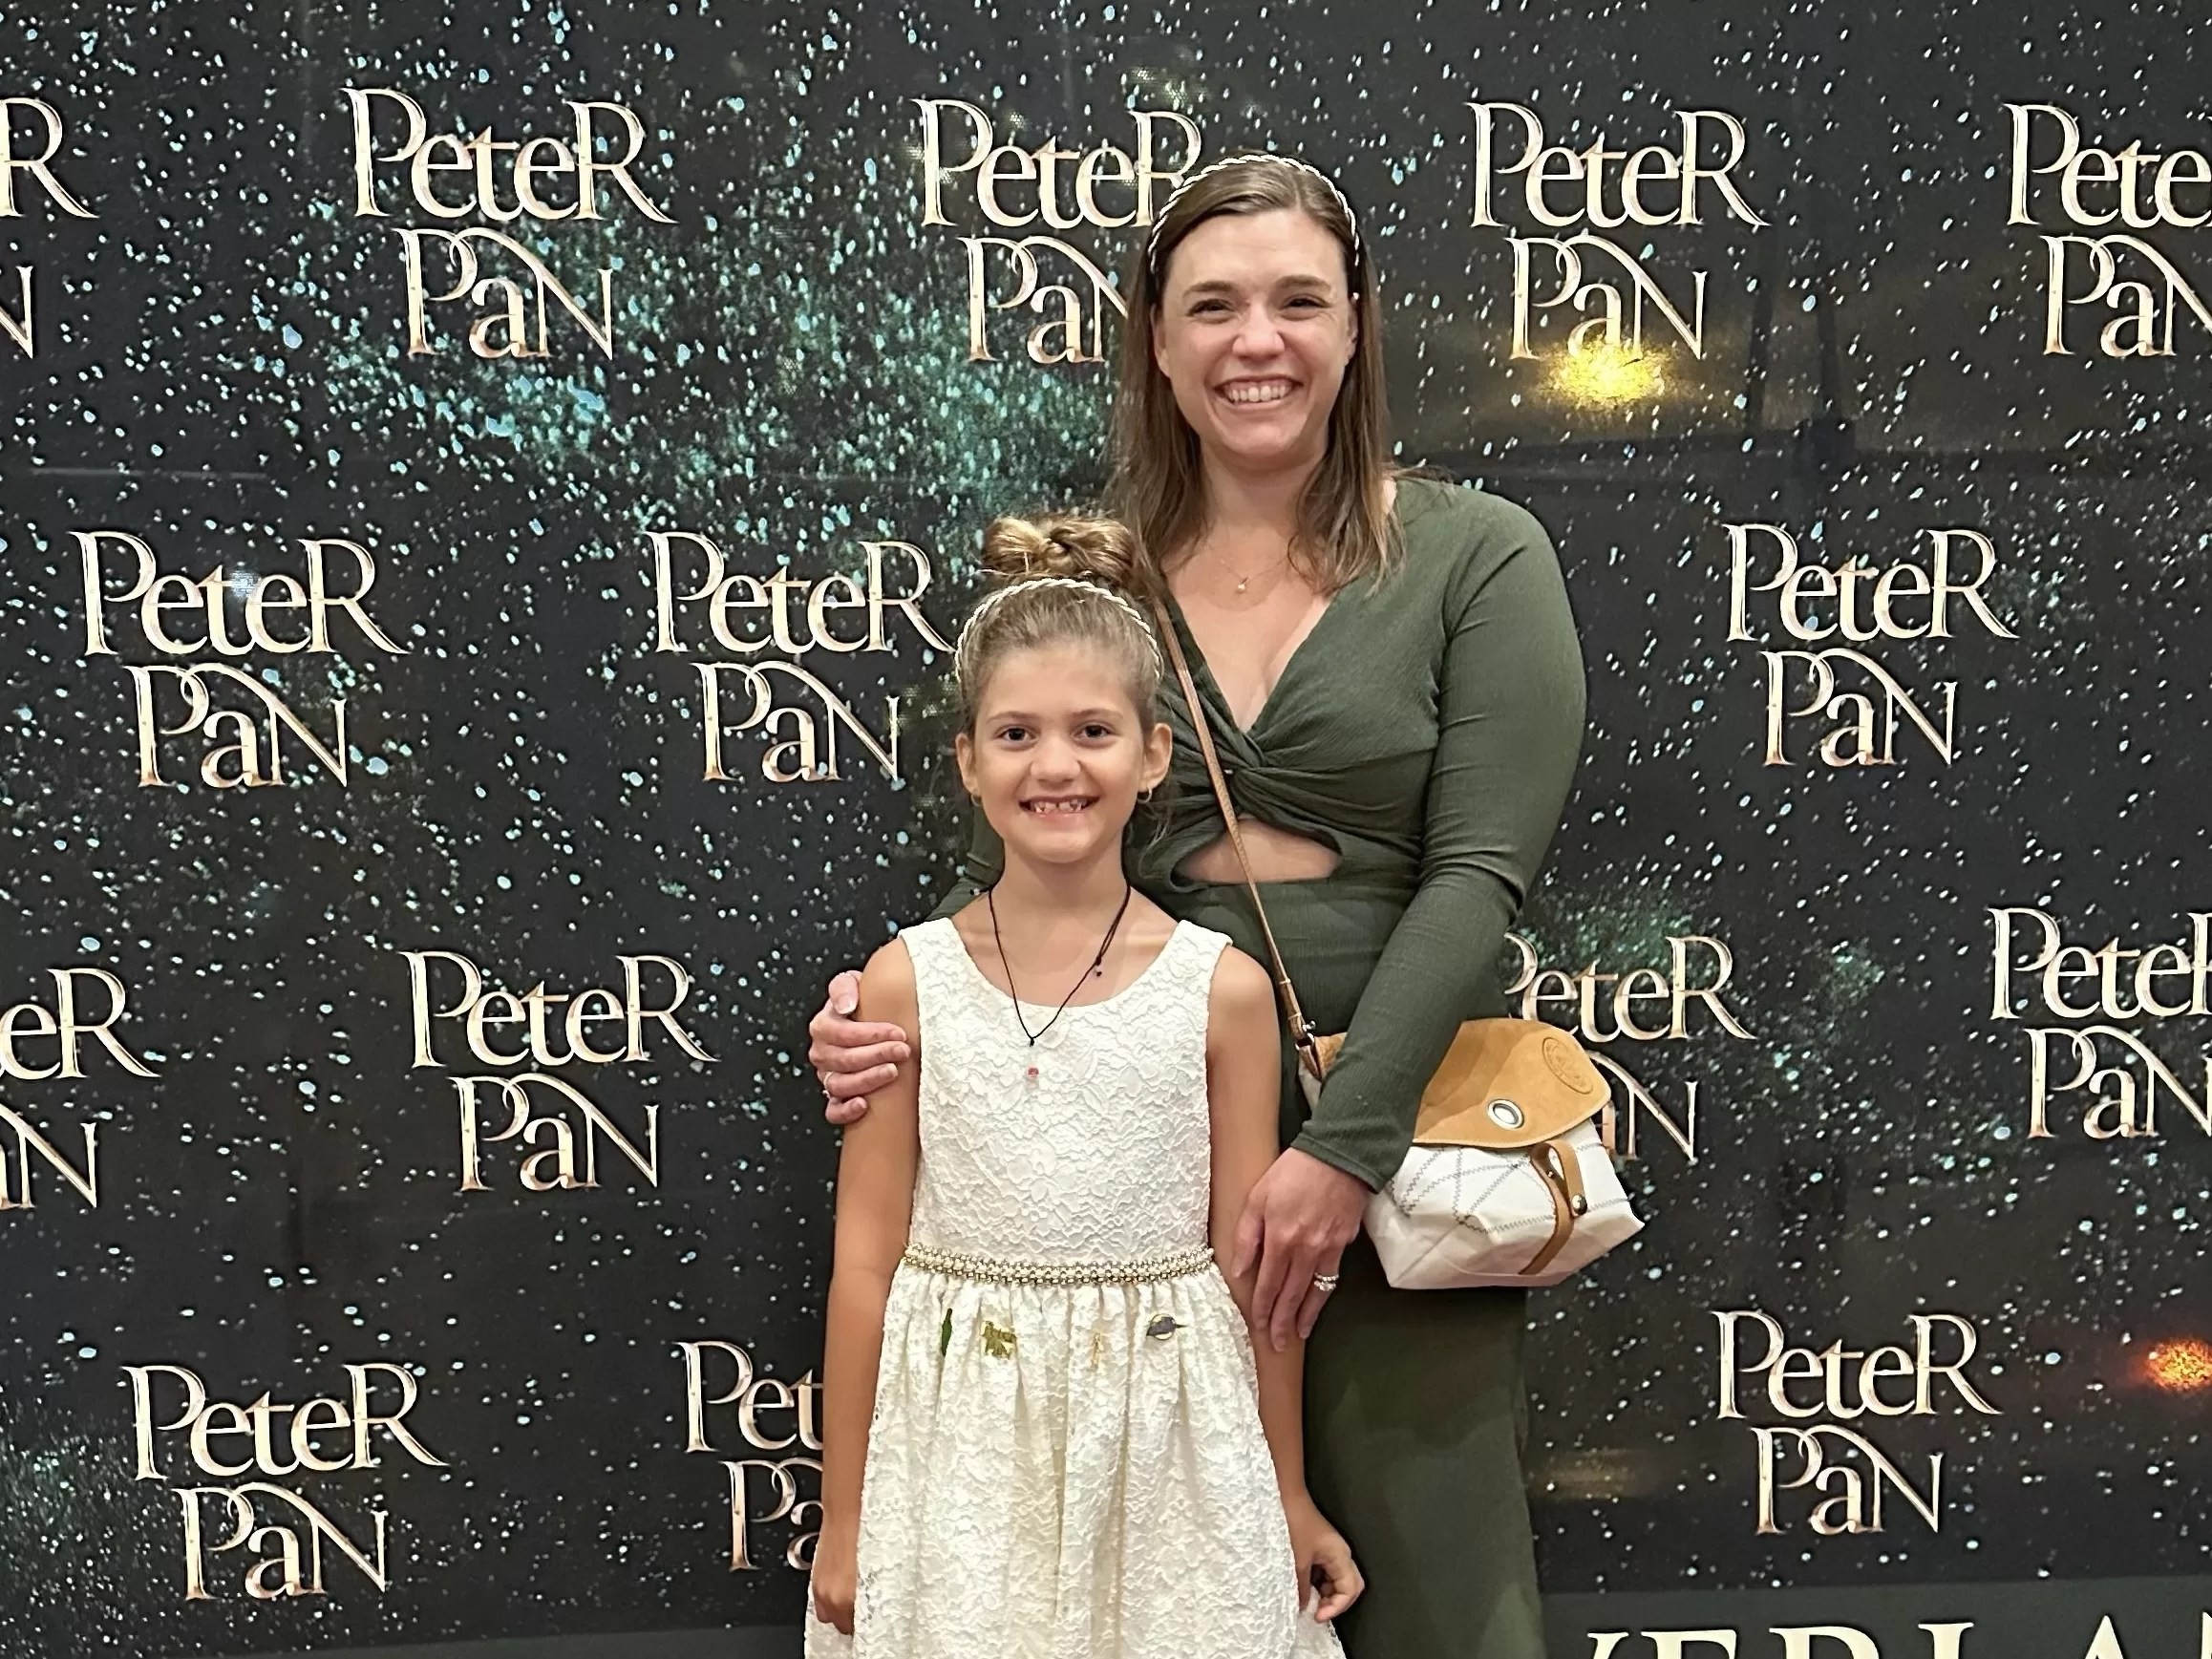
220	368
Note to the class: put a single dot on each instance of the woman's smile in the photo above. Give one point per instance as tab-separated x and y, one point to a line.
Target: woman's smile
1257	391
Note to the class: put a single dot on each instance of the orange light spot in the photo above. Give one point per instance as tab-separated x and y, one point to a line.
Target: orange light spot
2180	1366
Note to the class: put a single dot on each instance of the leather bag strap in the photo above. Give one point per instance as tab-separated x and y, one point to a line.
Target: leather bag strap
1561	1174
1300	1034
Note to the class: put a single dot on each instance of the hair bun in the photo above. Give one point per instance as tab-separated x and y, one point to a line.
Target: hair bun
1067	545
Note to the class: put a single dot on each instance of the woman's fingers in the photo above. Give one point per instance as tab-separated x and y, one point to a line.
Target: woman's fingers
1276	1262
1299	1266
1309	1212
1250	1235
1287	1269
852	1058
873	1048
1279	1284
848	1093
845	1045
1316	1298
845	1114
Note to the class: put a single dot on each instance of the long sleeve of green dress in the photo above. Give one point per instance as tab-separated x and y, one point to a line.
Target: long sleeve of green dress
1509	723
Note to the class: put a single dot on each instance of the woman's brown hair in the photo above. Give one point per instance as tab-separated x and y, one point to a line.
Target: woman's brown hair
1345	527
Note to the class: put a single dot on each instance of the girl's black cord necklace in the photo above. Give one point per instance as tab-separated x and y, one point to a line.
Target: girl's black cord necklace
1098	962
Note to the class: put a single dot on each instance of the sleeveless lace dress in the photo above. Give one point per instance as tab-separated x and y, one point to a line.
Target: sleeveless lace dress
1066	1460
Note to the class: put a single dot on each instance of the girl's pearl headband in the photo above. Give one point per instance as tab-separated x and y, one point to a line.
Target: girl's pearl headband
998	597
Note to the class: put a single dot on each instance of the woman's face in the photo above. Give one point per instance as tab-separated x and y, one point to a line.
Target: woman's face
1254	330
1058	753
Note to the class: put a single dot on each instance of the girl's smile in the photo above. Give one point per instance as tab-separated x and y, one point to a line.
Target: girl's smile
1057	752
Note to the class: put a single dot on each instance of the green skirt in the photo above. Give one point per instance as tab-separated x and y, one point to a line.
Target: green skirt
1415	1409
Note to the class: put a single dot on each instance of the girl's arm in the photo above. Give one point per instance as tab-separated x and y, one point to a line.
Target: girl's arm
874	1202
1243	1091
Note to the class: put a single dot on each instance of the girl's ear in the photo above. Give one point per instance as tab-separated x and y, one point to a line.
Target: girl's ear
963	756
1159	750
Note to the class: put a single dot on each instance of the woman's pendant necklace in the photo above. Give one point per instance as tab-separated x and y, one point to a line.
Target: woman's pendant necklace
1245	581
1097	966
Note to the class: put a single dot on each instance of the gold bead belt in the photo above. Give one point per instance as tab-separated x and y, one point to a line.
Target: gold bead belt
992	1270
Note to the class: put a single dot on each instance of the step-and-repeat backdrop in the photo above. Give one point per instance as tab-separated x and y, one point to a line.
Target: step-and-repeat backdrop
487	490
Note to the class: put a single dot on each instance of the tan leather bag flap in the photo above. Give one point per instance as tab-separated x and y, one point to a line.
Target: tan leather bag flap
1504	1084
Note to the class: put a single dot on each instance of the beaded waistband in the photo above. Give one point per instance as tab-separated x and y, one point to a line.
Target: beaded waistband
994	1270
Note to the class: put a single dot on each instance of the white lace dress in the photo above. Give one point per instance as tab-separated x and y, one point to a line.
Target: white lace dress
1066	1460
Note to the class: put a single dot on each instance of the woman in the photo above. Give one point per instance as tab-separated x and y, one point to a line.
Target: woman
1392	673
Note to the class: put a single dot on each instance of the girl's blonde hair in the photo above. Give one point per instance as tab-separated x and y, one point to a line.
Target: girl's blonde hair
1062	579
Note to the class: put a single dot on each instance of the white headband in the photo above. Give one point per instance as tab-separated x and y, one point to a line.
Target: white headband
991	602
1152	243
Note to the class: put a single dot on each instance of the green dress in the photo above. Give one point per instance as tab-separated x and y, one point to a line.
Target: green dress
1426	730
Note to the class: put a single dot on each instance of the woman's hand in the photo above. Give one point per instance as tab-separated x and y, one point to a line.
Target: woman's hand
852	1058
1300	1216
1321	1556
836	1576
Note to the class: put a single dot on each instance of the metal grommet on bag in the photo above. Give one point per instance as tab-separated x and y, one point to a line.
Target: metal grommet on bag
1507	1115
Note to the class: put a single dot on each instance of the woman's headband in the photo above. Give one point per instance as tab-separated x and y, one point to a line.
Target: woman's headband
1249	157
998	597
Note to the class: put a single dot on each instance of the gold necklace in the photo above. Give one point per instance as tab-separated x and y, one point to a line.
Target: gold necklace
1245	581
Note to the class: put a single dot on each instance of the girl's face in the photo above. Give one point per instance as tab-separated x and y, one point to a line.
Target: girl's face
1057	754
1255	330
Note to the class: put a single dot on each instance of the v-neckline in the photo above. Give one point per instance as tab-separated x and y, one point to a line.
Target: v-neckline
1203	669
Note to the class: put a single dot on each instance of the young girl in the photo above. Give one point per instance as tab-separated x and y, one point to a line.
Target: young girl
1069	1448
